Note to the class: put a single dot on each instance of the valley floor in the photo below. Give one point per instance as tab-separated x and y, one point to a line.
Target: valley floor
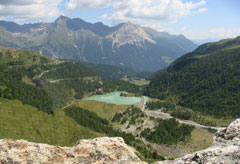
62	130
195	143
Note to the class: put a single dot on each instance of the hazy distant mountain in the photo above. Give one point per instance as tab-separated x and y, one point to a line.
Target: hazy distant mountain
141	49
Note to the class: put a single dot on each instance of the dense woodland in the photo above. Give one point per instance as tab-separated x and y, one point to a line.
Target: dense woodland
110	72
206	80
168	132
120	85
159	105
12	87
68	70
185	115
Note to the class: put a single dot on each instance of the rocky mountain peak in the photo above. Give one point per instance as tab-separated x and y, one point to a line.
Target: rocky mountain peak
96	42
129	33
61	20
61	17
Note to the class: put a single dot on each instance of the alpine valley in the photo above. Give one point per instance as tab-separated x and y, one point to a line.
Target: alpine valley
122	94
128	45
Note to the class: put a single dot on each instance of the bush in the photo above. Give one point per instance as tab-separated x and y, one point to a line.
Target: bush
168	132
181	114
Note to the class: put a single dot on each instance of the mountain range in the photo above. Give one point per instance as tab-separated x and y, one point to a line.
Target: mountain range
128	45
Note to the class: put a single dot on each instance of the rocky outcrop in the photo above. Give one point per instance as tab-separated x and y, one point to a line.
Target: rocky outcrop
225	149
99	150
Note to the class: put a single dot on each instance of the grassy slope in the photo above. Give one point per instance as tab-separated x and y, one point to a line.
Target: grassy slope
200	139
139	82
60	94
18	121
26	56
102	109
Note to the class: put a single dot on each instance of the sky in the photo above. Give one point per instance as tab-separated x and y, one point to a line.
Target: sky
196	19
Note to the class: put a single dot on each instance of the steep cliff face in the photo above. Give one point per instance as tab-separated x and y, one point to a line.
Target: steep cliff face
99	150
225	149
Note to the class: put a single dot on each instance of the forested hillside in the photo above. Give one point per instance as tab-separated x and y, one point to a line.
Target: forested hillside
110	71
47	84
18	67
206	80
19	72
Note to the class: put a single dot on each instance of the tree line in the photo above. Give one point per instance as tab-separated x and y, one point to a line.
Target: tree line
168	132
96	123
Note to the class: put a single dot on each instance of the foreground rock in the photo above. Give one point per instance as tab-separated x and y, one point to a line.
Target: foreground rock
99	150
225	149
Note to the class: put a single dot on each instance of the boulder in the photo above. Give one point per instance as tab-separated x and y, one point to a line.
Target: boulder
98	150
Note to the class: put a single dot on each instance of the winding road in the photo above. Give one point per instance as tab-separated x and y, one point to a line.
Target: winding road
159	114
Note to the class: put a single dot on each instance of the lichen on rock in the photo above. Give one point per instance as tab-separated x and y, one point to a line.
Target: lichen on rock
99	150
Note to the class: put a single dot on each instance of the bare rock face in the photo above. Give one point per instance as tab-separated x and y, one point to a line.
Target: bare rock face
233	131
224	150
99	150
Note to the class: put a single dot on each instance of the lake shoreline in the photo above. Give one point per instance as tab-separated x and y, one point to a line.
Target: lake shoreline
116	98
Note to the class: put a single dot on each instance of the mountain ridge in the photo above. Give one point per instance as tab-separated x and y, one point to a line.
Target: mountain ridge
126	44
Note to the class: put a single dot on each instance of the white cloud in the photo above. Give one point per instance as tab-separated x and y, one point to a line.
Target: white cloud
29	10
87	4
154	12
104	16
16	2
202	10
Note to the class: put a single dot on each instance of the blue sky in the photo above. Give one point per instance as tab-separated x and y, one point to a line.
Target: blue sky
196	19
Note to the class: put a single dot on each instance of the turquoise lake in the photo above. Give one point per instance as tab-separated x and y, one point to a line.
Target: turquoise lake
115	98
